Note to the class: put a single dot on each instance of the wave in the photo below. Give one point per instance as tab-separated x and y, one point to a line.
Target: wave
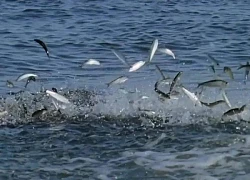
140	106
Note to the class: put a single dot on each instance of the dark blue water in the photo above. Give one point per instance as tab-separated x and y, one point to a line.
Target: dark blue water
124	131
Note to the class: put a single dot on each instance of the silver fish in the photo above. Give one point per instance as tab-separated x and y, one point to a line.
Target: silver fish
229	72
215	62
161	94
167	51
226	99
153	49
192	96
174	82
120	56
119	80
234	111
26	76
212	104
58	97
246	66
214	83
136	66
92	62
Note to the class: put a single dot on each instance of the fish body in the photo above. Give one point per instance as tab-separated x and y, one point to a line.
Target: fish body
58	97
166	51
214	83
92	62
120	56
214	61
43	45
162	94
26	76
136	66
31	78
192	96
229	72
174	82
226	99
246	66
212	104
234	111
119	80
153	49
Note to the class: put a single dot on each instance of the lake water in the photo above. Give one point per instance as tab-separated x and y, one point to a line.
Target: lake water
124	131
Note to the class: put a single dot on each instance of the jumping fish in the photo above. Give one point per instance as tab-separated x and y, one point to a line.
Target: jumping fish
119	80
162	94
25	76
192	96
43	45
229	72
153	49
215	62
212	104
174	82
120	56
226	99
31	78
166	51
58	97
246	66
214	83
247	69
234	111
92	62
137	66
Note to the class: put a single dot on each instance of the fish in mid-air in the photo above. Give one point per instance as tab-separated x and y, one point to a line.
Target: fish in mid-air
234	111
174	82
119	80
192	96
212	104
26	76
29	76
92	62
153	49
43	45
161	94
214	83
214	61
120	56
137	66
166	51
58	97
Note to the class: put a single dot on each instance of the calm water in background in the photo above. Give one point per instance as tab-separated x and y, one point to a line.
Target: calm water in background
105	136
